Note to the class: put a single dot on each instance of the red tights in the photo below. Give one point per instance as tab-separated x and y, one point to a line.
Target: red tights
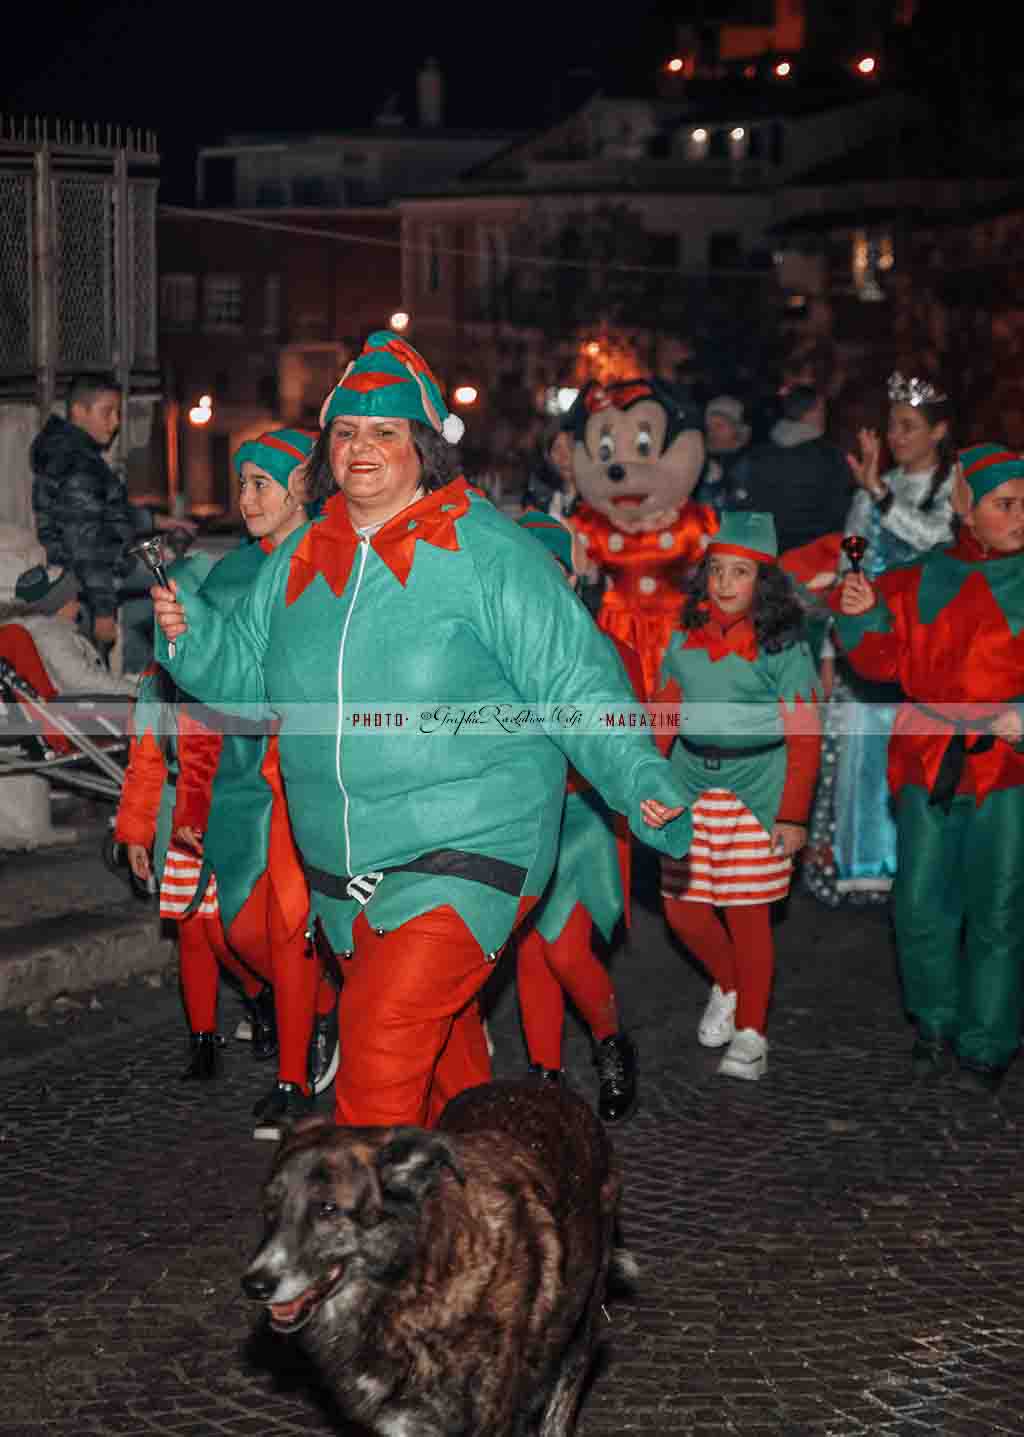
739	953
290	967
545	972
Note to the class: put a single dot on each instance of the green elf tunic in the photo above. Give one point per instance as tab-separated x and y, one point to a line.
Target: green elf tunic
748	732
406	668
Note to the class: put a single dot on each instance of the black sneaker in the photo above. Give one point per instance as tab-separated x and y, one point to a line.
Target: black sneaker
615	1060
545	1075
264	1024
324	1051
282	1106
204	1062
979	1079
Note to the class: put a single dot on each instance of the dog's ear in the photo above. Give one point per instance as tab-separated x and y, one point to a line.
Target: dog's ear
410	1163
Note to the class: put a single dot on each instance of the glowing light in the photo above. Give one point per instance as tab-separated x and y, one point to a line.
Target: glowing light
593	349
867	65
399	321
466	394
749	71
565	399
738	133
699	137
783	69
206	401
202	412
675	65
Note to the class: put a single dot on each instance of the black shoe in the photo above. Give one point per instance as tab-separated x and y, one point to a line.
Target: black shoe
282	1106
324	1051
545	1075
264	1024
930	1059
979	1078
204	1059
615	1060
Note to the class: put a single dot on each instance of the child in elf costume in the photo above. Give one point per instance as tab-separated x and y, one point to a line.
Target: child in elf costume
231	861
589	888
747	756
948	628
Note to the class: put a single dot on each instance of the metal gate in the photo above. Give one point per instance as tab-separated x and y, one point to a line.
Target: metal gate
78	281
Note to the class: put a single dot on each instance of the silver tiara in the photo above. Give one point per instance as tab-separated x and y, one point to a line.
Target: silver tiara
913	391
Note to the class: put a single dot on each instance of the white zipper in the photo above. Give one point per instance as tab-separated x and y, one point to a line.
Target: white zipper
364	545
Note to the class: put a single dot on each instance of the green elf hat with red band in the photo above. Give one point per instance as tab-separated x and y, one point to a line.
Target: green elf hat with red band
986	466
554	535
278	452
751	536
391	380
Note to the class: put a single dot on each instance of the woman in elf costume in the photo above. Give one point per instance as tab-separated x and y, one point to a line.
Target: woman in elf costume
589	889
420	621
231	862
948	629
747	757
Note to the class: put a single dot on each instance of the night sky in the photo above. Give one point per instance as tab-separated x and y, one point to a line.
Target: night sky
195	70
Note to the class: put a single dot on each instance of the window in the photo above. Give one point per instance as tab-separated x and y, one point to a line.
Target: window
222	301
272	305
432	270
178	301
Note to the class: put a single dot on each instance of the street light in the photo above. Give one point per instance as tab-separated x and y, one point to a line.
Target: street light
202	412
465	395
867	65
675	65
783	69
399	321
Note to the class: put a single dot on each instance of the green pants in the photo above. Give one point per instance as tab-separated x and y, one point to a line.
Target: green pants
957	871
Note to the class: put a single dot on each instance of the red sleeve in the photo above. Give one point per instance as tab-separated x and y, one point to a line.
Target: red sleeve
802	727
140	796
198	756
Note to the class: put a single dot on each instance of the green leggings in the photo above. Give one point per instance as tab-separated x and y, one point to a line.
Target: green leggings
964	869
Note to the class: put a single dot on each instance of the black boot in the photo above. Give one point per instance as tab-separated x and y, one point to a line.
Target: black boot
545	1075
324	1051
615	1060
979	1079
282	1106
264	1024
204	1059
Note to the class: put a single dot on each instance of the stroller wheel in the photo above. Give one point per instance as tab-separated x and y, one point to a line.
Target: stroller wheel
114	855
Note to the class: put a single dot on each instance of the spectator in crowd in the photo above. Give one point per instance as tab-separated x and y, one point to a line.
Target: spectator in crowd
550	485
84	517
798	477
727	440
39	638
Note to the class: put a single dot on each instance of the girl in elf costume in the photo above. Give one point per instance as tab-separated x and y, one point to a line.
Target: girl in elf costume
747	757
229	875
589	888
948	629
901	514
416	616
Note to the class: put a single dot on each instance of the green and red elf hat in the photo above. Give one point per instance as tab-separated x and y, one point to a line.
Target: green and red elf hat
391	380
986	466
550	532
749	535
278	452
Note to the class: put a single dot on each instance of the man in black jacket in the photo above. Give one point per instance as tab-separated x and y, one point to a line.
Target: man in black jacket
84	518
798	477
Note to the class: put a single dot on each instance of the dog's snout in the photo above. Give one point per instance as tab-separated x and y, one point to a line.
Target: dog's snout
258	1284
616	473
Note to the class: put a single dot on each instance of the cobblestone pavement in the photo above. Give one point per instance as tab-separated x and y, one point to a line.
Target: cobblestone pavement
827	1252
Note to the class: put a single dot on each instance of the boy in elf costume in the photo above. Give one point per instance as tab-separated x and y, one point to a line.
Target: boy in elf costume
949	629
747	757
231	859
589	889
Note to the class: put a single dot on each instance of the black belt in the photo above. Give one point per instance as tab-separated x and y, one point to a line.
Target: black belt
443	862
713	753
954	757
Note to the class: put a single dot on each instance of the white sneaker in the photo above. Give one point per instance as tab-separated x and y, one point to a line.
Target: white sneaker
717	1025
746	1056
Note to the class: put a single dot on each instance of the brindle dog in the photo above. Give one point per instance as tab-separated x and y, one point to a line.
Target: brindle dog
447	1282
